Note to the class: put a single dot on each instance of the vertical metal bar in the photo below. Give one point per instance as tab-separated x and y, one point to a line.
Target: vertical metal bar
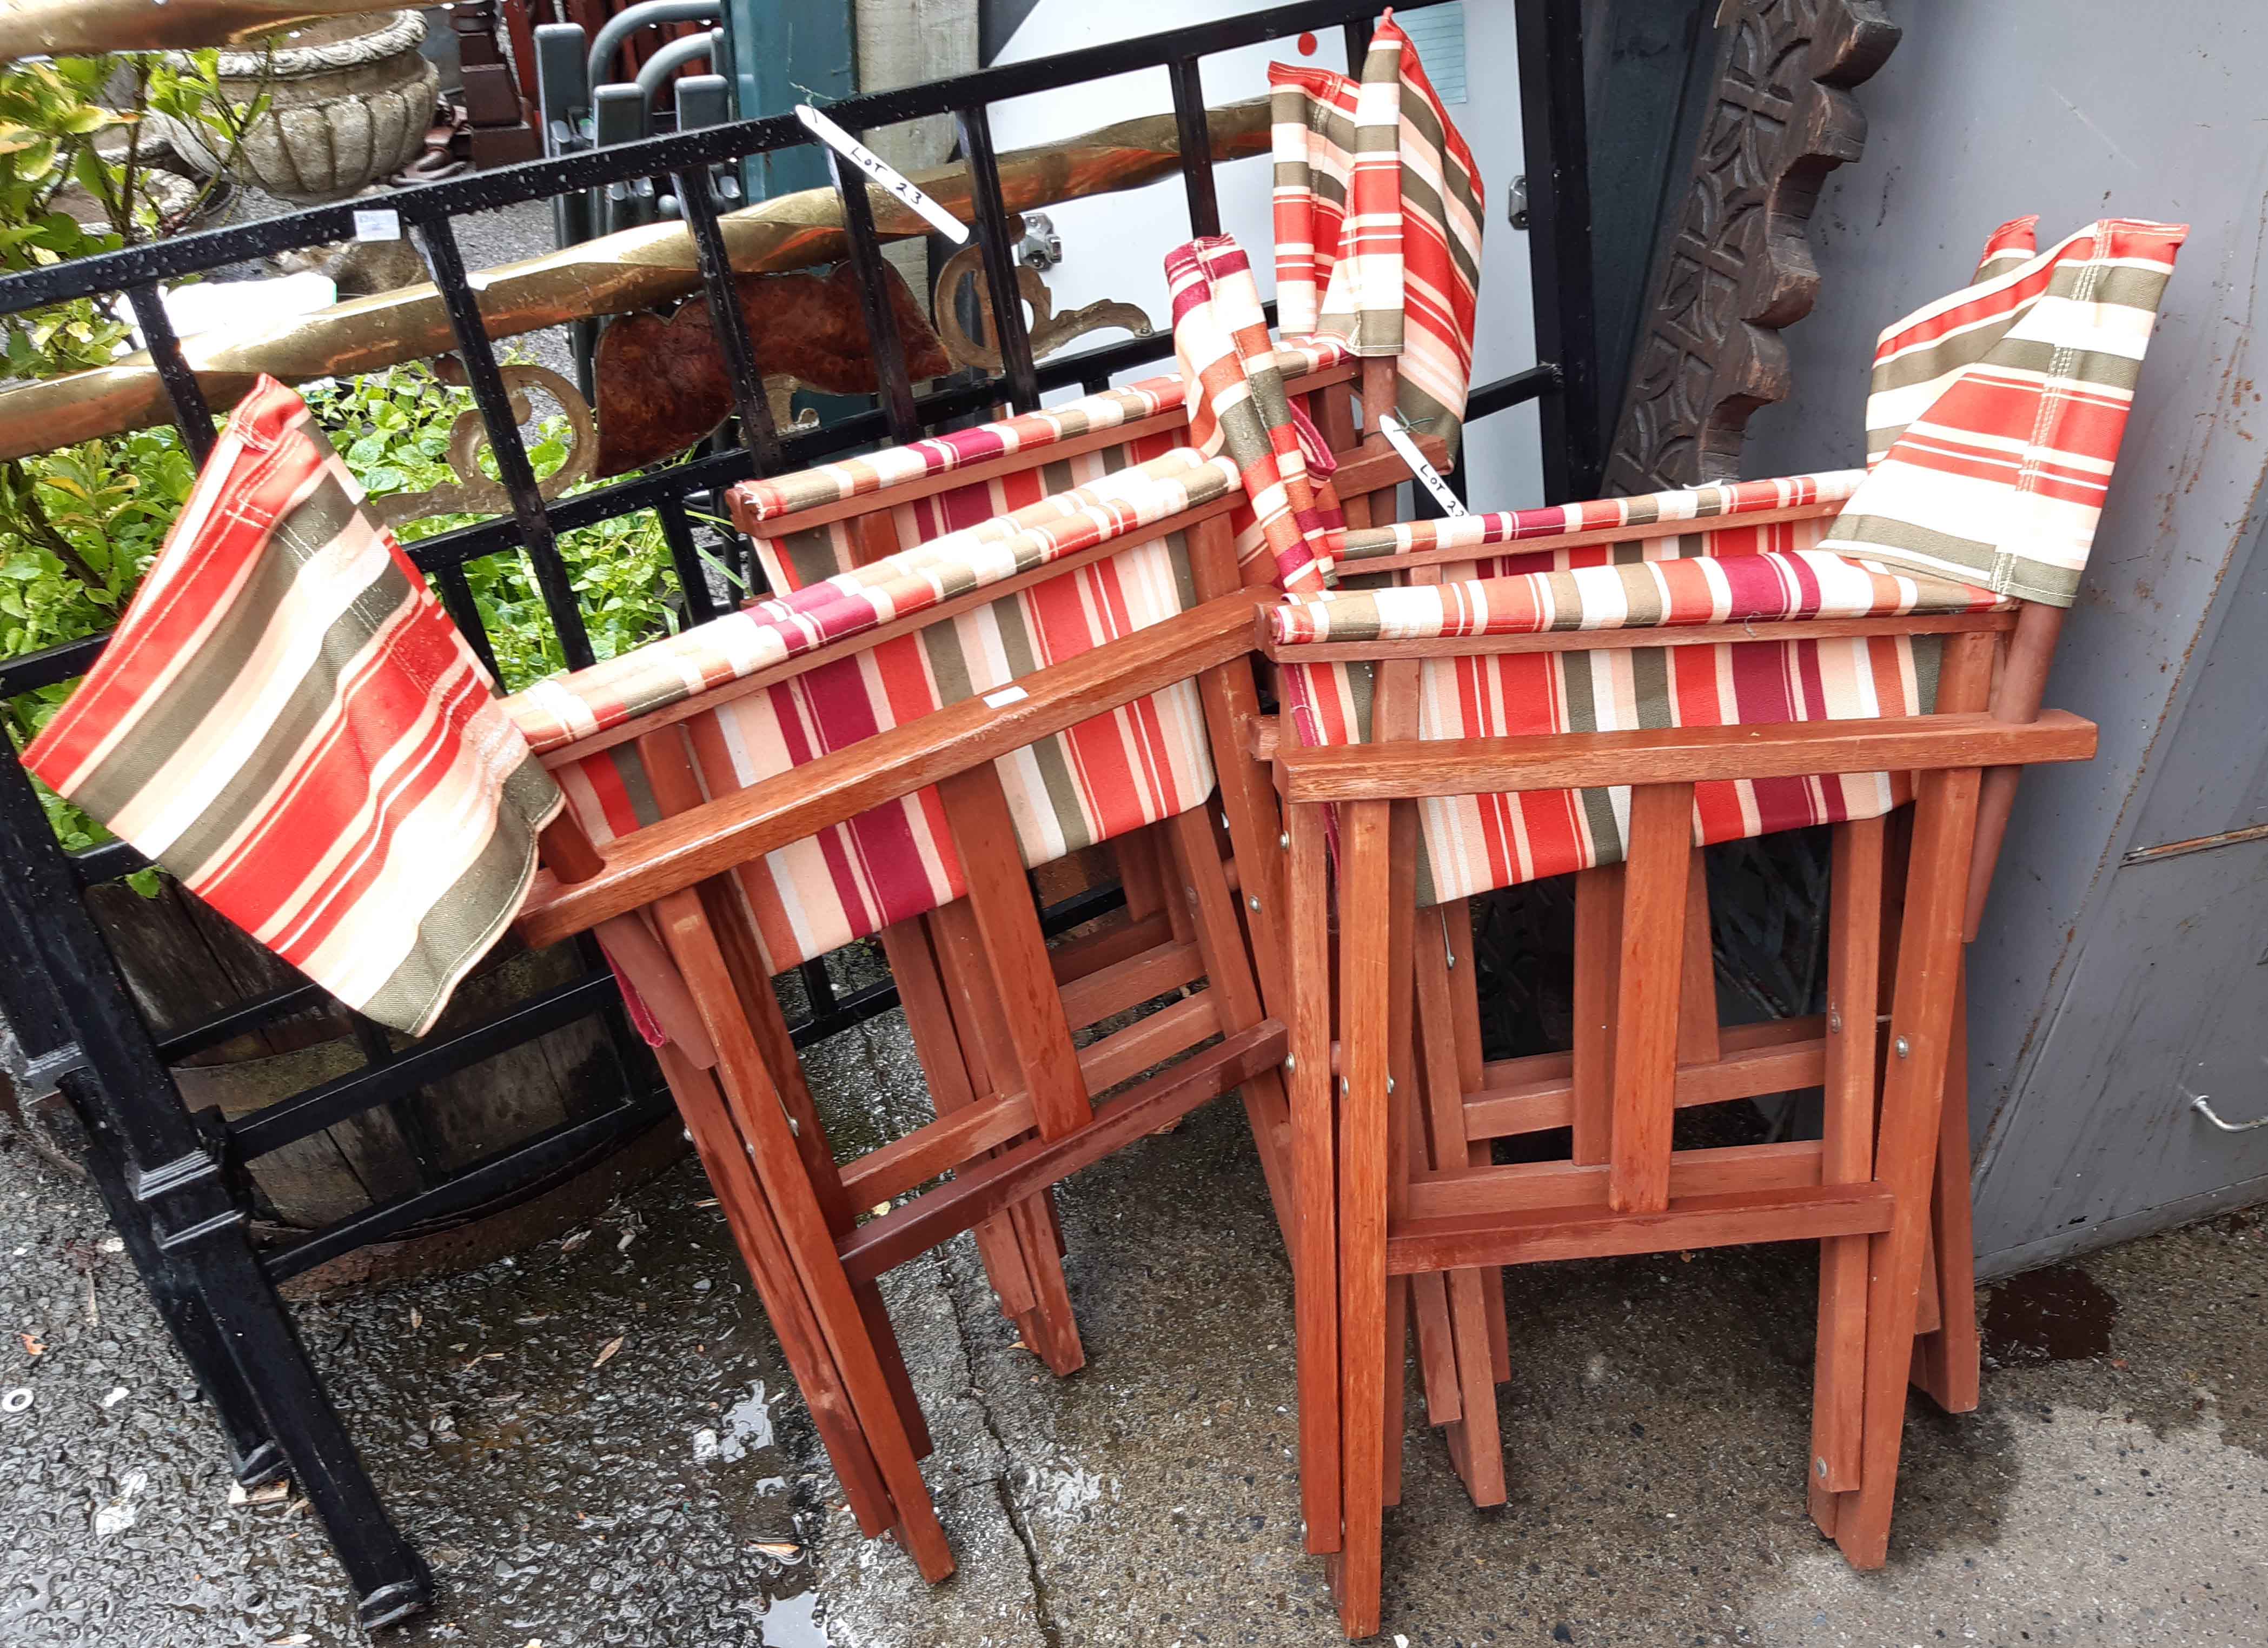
725	319
867	262
495	401
132	1108
465	612
685	556
818	989
1197	145
1550	40
191	411
999	259
1357	45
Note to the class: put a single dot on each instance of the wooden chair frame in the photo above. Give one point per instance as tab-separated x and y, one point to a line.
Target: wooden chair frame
991	1007
1414	1203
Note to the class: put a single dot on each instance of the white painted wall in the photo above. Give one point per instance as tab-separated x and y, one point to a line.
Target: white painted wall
1115	246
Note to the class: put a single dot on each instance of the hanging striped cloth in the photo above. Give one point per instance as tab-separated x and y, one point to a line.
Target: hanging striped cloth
1238	405
1378	212
287	721
1995	413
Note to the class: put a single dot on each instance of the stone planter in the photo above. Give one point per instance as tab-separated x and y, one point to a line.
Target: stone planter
350	102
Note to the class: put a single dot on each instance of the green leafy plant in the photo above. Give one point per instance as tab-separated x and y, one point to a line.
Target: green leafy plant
393	428
79	525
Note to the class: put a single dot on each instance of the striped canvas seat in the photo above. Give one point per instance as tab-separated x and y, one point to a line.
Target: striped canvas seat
793	557
1729	517
1138	765
566	708
1994	419
1695	589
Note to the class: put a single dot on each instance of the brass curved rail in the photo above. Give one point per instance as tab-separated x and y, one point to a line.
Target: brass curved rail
636	268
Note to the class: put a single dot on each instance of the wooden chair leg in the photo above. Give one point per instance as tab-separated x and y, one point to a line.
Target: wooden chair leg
1017	1253
1365	990
724	1155
670	761
1195	858
1659	857
1921	1034
1476	1446
1947	1362
755	1104
1847	1157
922	996
1465	1015
1313	1234
1697	1003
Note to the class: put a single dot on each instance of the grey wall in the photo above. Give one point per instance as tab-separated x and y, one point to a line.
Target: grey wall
2098	990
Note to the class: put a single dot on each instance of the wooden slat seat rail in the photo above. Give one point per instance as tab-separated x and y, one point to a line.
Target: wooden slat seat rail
1780	1056
1581	761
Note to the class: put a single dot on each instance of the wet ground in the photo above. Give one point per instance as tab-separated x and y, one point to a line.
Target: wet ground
596	1443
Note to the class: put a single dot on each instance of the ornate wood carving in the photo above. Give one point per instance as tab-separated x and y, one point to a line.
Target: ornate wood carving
1736	267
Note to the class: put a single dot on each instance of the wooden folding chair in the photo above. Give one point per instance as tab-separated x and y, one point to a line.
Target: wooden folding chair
863	756
1642	675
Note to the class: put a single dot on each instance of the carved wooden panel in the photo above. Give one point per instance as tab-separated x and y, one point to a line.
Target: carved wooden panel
1735	267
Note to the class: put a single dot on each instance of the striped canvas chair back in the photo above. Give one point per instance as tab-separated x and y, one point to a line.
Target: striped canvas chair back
1378	213
1993	421
888	642
285	719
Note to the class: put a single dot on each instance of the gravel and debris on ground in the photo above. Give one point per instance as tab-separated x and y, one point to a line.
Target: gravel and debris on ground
597	1443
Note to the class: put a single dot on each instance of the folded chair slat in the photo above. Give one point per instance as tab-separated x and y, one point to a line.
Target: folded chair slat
1547	1235
1780	1056
1541	1186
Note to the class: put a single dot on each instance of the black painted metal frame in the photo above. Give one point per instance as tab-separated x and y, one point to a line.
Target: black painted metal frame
173	1182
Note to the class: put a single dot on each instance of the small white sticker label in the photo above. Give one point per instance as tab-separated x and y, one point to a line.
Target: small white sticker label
882	172
1006	696
1398	437
377	223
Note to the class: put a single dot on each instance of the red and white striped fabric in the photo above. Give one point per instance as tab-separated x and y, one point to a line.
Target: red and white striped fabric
1377	211
286	721
1713	508
780	497
1995	413
1238	405
565	707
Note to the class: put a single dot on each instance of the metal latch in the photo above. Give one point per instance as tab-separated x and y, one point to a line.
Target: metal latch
1515	204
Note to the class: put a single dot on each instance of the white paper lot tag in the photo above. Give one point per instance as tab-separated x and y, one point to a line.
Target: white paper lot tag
1006	696
377	223
882	172
1398	437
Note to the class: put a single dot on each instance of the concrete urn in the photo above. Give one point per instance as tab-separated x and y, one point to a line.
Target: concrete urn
350	102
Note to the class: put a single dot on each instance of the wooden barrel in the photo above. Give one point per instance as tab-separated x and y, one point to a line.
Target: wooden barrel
185	965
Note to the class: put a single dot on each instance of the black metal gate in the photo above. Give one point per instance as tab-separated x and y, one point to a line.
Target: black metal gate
174	1183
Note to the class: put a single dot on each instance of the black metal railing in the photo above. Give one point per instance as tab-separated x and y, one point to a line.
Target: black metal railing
175	1183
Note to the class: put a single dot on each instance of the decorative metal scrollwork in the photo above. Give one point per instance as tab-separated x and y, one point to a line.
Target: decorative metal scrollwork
473	492
1050	331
